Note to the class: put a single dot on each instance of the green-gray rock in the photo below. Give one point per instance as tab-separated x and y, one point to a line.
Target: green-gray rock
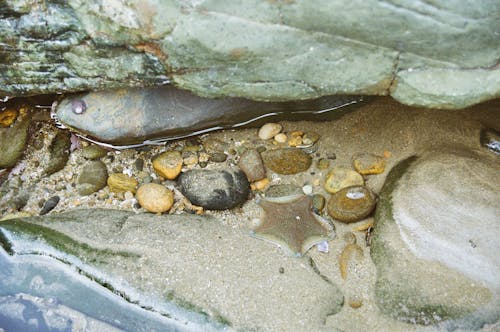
58	152
435	240
440	54
93	152
93	177
145	254
12	142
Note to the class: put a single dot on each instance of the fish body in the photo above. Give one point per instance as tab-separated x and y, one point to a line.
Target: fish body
141	116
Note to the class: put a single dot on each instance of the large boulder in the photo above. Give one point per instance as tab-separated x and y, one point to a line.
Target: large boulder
443	54
435	243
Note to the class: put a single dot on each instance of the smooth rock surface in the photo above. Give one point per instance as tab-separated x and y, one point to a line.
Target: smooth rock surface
93	177
59	152
440	54
435	243
155	197
287	160
215	190
351	204
339	178
251	164
144	256
12	142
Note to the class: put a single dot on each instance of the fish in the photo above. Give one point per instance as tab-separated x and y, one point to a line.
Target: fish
135	117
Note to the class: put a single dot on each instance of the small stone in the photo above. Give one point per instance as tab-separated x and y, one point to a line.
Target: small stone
295	141
269	130
139	164
189	158
49	205
307	189
155	197
203	164
215	189
310	138
92	178
119	182
287	160
318	202
368	163
282	190
7	117
215	145
261	149
490	139
339	178
323	163
260	185
168	164
280	138
203	157
296	133
218	157
93	152
251	164
355	302
351	204
59	150
12	142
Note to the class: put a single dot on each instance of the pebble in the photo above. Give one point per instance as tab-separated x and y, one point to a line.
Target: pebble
218	157
351	204
49	205
310	138
281	190
339	178
269	130
119	182
287	160
139	164
295	141
280	138
251	164
93	177
215	145
93	152
7	117
215	189
260	185
323	163
155	197
307	189
368	163
189	158
12	142
318	203
59	150
168	164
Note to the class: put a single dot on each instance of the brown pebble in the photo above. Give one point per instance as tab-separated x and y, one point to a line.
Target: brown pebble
260	185
251	164
338	178
155	197
351	204
368	163
218	157
318	202
295	141
287	160
118	182
168	164
323	163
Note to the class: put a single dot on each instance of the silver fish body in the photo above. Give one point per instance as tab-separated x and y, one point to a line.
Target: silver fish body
140	116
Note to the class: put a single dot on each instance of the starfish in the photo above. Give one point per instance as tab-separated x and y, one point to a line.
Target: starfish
290	223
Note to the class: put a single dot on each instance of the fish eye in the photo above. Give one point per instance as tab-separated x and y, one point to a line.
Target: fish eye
78	106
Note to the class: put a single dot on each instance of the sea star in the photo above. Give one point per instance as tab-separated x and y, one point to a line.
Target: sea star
290	223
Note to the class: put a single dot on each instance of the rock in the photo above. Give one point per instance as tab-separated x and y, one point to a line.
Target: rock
318	202
282	190
435	240
7	117
218	157
269	130
260	185
351	204
490	139
93	152
93	177
251	164
198	255
49	205
215	190
168	164
155	197
119	182
58	152
368	163
339	178
12	142
19	201
280	138
310	138
287	160
323	163
295	141
139	164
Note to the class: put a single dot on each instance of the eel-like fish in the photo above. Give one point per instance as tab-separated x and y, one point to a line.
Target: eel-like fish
128	118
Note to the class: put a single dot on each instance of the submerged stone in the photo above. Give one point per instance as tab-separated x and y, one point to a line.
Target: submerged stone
59	151
287	160
93	177
12	142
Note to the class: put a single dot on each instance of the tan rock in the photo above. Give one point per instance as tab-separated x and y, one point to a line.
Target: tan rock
339	178
168	164
118	182
269	130
260	185
155	197
281	138
295	141
368	163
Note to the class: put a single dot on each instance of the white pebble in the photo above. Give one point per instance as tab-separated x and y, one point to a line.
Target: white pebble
269	130
281	138
307	189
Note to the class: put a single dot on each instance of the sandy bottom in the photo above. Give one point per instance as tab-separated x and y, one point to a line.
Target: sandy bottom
382	127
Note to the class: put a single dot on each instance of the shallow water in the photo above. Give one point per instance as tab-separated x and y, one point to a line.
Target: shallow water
38	293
